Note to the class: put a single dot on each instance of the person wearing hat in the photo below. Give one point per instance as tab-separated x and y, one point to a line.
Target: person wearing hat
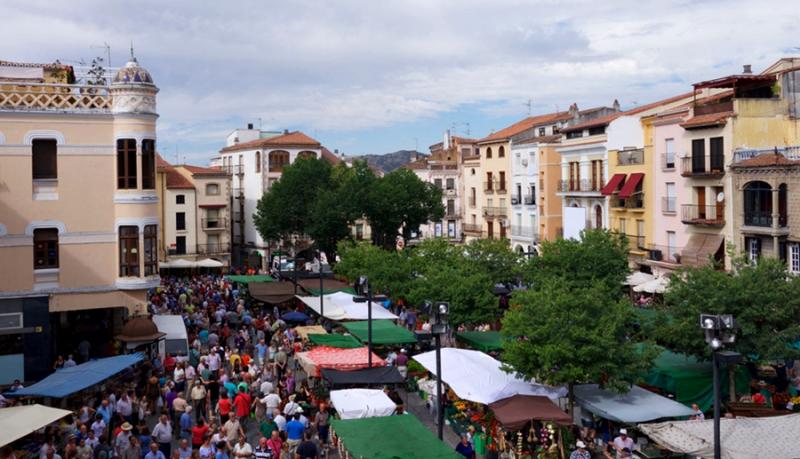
623	441
580	451
123	440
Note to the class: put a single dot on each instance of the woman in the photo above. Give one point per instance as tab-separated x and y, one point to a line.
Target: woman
206	450
223	407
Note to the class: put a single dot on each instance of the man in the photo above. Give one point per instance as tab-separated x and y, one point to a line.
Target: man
185	424
199	395
179	405
698	414
275	444
291	406
623	441
272	401
464	448
261	352
162	436
125	407
279	419
123	440
91	440
155	452
99	426
83	351
294	432
222	452
266	426
232	428
281	359
184	450
580	451
263	451
402	362
84	450
105	411
242	449
16	386
242	404
266	386
70	362
306	449
321	422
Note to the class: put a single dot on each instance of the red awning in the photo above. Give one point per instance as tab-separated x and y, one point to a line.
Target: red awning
613	184
630	186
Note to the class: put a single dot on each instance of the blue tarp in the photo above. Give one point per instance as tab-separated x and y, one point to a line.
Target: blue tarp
67	381
295	316
634	406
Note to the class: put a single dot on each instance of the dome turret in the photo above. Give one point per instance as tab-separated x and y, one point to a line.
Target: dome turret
132	73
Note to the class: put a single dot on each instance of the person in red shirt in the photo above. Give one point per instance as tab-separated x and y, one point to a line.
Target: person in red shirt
242	404
199	432
275	444
224	407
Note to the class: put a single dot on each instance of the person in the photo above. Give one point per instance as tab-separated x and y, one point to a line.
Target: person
272	401
279	419
294	432
266	427
623	441
184	450
224	407
626	453
291	406
123	440
322	423
198	395
134	451
206	450
263	451
242	449
92	440
199	432
70	362
222	451
85	451
232	429
464	448
98	426
306	449
402	362
580	451
185	423
51	454
698	414
125	407
155	452
242	404
275	444
162	436
16	386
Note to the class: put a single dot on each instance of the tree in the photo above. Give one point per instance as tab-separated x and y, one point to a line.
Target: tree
401	202
388	271
495	257
563	334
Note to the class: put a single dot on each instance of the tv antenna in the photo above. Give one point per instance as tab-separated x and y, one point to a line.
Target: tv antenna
107	47
456	124
529	104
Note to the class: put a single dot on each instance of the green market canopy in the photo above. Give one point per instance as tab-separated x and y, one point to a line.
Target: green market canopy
334	340
243	279
389	437
483	341
383	332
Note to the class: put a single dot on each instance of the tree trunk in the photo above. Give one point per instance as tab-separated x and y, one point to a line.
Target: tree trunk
732	383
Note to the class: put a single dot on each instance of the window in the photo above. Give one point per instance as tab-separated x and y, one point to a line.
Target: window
128	251
489	184
148	164
180	221
597	130
698	156
212	219
501	153
502	183
450	184
489	152
753	249
669	200
150	250
556	130
126	164
180	245
794	258
438	183
45	161
671	237
574	134
758	204
45	248
212	189
623	226
717	153
669	155
258	163
180	199
541	131
278	160
451	207
359	232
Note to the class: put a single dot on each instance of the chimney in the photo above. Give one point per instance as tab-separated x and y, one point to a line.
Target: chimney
615	105
573	111
748	69
446	142
285	131
250	126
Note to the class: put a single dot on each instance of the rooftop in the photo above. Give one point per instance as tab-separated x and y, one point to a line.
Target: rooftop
175	180
197	170
707	120
524	125
287	139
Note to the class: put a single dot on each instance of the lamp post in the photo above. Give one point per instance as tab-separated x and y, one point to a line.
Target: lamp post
439	326
365	295
719	331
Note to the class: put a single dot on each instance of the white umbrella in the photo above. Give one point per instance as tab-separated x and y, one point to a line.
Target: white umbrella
637	278
181	264
209	263
657	285
163	265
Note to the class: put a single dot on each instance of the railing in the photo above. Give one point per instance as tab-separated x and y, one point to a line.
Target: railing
703	166
634	201
718	107
664	253
488	187
217	223
55	97
630	157
276	167
692	214
636	242
472	228
451	214
237	169
530	200
763	218
792	153
669	205
494	211
220	247
583	185
237	217
500	187
238	193
668	161
524	231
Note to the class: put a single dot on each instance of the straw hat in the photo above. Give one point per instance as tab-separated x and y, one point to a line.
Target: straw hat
127	427
580	444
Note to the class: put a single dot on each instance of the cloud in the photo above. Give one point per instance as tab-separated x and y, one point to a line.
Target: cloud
353	66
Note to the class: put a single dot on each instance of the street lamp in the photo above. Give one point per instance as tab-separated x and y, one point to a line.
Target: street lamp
365	295
439	313
719	331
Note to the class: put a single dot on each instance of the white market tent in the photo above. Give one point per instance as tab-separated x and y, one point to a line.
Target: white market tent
657	285
637	278
362	403
209	263
340	306
18	421
180	263
477	377
742	438
636	405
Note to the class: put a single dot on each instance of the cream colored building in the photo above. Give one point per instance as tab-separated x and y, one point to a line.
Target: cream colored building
195	211
78	211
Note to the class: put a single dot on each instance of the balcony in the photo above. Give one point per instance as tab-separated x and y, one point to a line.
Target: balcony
764	222
55	97
471	228
636	243
214	224
693	214
237	217
492	212
500	188
238	193
630	157
527	232
791	152
633	202
451	214
234	169
450	192
664	254
516	200
530	200
211	249
668	161
669	205
276	168
705	166
580	185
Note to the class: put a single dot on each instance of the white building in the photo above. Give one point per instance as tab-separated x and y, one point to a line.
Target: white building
524	213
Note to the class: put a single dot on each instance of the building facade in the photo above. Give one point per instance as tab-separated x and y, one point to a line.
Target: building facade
79	223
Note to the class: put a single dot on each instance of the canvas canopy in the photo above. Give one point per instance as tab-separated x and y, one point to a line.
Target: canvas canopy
383	332
657	285
67	381
338	359
742	438
306	330
181	264
361	403
271	292
335	340
340	306
242	279
483	341
390	437
367	376
19	421
637	405
330	286
637	278
209	263
477	377
516	411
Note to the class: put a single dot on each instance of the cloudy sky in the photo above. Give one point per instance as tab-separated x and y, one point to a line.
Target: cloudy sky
377	76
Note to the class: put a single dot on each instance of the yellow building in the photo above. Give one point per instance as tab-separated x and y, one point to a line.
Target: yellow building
78	211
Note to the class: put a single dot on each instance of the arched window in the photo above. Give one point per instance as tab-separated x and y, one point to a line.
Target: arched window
501	153
277	160
489	152
758	204
258	162
306	154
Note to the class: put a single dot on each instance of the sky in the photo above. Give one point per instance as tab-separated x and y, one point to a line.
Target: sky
366	76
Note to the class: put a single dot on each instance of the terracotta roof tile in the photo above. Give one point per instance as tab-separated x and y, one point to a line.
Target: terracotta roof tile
541	139
524	125
607	119
417	165
175	180
197	170
709	120
295	138
766	160
330	156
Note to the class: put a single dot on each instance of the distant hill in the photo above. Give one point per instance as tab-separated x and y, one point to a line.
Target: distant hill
391	161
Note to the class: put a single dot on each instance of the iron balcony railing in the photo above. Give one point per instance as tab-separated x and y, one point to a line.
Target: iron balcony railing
207	249
664	253
451	214
789	152
472	228
703	166
530	200
693	214
763	218
634	201
582	185
236	169
238	193
217	223
516	200
636	242
494	211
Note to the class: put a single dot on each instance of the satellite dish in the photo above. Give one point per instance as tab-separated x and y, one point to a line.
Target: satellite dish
720	197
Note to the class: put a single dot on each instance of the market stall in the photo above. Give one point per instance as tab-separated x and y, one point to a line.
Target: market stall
365	377
329	286
244	279
514	412
489	341
383	332
634	406
743	438
18	421
388	437
338	359
334	340
67	381
271	292
361	403
637	278
306	330
341	306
